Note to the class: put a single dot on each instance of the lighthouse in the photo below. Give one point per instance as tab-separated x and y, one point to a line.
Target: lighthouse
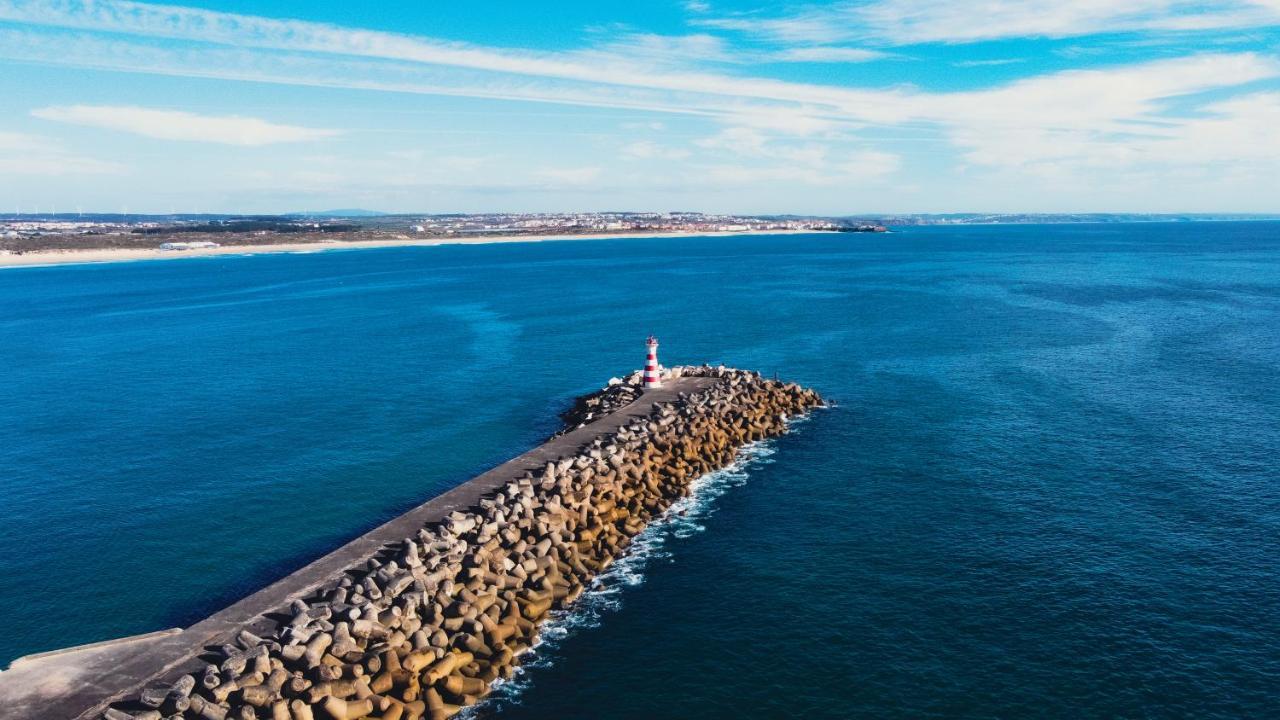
651	377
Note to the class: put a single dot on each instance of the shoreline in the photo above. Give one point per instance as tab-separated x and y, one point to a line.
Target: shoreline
45	258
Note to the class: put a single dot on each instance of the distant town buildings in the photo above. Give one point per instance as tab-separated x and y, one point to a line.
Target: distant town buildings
498	223
25	232
196	245
186	232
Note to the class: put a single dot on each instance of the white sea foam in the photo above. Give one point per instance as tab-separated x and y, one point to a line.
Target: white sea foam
605	595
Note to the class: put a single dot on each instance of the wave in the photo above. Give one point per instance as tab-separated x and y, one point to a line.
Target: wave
605	594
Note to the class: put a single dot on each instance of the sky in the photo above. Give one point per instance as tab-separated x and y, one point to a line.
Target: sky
737	106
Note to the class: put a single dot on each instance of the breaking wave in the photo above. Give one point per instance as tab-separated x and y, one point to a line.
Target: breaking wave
605	593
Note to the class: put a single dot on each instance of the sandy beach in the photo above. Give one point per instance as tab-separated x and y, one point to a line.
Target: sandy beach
108	255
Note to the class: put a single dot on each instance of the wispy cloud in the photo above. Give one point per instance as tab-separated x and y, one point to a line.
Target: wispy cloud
805	131
226	43
26	154
649	150
689	50
829	54
179	125
905	22
810	25
988	63
807	162
854	170
308	53
1132	97
1240	131
671	50
577	176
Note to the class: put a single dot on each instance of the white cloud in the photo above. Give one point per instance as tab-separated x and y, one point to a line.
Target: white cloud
870	164
744	155
571	176
300	53
904	22
988	63
689	50
332	56
178	125
828	54
810	26
22	142
24	154
649	150
1235	133
737	140
652	125
246	31
855	169
1071	126
1101	100
1038	121
790	121
666	50
1241	129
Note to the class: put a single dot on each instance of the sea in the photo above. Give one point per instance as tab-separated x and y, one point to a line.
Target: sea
1047	484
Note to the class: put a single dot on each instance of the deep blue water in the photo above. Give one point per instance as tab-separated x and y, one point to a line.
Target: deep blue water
1049	487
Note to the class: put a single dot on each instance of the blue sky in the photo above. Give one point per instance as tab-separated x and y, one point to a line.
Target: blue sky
719	106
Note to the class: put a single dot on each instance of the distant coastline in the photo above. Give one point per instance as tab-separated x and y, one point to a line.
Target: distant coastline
36	240
37	258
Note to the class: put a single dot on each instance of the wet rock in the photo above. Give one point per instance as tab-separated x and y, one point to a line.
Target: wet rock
424	628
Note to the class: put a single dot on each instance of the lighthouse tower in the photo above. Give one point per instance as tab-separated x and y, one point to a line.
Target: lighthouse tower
651	378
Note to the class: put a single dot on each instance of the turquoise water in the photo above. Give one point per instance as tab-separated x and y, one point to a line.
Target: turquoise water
1048	488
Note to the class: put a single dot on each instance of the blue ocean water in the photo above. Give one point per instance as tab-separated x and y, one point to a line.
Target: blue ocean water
1048	487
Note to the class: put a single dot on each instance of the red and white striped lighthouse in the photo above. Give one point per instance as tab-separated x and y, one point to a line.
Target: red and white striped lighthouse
651	377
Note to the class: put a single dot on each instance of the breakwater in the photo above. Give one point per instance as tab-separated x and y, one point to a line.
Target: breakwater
426	624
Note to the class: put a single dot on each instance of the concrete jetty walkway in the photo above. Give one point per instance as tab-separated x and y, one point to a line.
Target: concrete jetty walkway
79	683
